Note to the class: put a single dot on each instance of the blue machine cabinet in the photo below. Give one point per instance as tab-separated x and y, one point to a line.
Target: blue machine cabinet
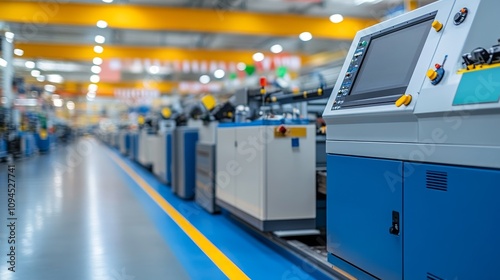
360	205
183	165
42	143
451	216
127	143
134	145
168	171
446	216
3	149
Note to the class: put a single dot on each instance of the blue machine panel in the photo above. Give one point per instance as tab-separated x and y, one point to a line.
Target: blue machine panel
169	158
362	196
451	222
127	143
43	144
3	148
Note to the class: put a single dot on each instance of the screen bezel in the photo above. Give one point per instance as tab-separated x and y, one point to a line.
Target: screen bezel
385	96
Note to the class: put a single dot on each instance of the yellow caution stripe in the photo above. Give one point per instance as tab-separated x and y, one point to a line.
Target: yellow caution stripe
213	253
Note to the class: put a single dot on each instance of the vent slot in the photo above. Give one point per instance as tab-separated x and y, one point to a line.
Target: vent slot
431	276
436	180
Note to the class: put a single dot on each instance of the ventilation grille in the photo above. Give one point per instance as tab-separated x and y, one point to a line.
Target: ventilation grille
431	276
437	180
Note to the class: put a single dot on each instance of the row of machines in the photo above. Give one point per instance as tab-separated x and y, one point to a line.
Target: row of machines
413	147
237	155
25	134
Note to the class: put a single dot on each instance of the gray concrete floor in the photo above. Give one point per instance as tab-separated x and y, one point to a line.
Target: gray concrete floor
77	219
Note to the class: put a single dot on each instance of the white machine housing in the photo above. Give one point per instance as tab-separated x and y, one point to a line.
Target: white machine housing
159	149
430	129
265	181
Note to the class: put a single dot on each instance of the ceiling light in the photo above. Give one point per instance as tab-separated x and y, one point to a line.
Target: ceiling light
55	78
305	36
58	102
241	66
98	49
99	39
3	62
95	69
49	88
18	52
91	94
9	36
70	105
35	73
258	56
93	87
40	78
276	48
97	60
336	18
94	79
90	97
60	66
360	2
204	79
102	24
219	73
154	69
107	1
29	64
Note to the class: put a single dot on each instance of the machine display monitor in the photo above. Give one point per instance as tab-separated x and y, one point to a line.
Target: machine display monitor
387	64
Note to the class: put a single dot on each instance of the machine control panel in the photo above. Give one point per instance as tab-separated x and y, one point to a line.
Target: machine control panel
351	73
382	64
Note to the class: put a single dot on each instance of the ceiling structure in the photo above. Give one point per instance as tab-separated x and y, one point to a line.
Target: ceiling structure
61	37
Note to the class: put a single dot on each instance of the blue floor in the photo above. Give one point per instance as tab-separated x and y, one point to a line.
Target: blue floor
100	224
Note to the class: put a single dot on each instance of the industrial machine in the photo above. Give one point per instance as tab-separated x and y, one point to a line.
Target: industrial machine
184	140
162	151
207	122
266	173
413	153
266	161
124	141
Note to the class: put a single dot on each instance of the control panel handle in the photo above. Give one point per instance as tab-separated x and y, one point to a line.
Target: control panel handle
394	229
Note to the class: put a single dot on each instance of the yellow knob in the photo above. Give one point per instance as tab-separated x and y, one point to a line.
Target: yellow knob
437	25
407	100
209	102
141	120
432	74
403	100
166	113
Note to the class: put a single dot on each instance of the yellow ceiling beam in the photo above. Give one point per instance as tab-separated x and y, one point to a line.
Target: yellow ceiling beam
86	53
78	88
37	14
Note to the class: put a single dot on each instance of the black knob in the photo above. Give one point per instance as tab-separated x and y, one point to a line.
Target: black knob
460	16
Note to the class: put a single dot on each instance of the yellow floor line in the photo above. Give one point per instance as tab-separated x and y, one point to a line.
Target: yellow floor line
218	258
